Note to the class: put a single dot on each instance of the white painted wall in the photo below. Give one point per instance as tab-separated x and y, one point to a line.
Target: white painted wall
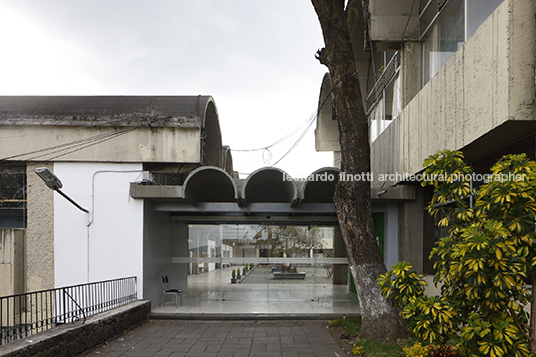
107	243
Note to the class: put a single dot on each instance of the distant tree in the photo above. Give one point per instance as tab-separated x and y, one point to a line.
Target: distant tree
352	198
293	241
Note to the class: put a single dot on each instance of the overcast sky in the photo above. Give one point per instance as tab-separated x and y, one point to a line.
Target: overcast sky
255	57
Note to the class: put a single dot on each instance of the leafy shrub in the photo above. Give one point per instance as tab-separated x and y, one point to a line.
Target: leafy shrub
483	263
417	350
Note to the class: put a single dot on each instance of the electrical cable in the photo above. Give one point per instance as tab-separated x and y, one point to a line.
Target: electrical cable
81	144
295	144
289	135
102	137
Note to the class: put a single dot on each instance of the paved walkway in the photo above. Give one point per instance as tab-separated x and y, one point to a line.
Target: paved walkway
224	339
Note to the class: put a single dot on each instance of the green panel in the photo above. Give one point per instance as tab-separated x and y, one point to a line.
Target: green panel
379	230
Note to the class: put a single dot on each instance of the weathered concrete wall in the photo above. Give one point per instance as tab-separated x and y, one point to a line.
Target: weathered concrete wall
162	144
489	81
12	264
75	339
40	231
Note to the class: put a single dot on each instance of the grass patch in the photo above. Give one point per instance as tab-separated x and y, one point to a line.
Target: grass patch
352	325
379	349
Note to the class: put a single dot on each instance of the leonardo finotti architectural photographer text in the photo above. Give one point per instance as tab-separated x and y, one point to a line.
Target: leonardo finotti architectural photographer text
397	177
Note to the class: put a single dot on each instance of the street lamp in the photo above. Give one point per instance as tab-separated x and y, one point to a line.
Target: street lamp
53	182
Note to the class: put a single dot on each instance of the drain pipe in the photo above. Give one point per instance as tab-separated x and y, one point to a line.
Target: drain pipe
91	216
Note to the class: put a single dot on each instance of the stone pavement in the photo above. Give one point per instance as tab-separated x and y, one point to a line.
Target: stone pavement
177	338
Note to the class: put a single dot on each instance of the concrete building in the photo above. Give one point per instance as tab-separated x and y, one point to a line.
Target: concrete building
96	146
437	74
158	196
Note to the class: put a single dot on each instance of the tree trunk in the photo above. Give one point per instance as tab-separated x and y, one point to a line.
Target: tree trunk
352	198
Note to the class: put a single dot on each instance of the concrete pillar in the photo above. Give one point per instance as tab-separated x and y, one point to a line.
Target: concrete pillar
40	230
340	271
410	239
179	248
409	62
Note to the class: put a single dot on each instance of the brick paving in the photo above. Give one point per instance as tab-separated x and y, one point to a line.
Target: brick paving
176	338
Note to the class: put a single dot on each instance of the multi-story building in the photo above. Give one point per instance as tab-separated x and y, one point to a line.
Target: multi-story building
435	75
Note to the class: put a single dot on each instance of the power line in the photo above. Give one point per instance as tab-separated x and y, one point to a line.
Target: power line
295	144
80	144
307	122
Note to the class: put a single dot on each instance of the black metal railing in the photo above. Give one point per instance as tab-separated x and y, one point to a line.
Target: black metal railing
23	315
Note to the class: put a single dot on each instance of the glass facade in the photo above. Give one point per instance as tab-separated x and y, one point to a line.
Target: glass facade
230	261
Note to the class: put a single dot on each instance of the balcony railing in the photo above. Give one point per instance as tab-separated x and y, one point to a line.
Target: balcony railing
23	315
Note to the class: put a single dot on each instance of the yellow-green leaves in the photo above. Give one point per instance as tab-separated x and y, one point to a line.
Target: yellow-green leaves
401	284
482	263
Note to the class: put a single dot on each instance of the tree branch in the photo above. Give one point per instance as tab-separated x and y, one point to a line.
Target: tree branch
519	324
322	57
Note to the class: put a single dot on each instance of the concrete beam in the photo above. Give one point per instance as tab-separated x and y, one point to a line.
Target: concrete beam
394	20
138	190
393	193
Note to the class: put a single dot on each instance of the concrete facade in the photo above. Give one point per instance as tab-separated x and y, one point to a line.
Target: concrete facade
97	146
39	232
489	81
481	101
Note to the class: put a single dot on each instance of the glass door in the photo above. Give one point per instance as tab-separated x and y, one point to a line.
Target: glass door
264	262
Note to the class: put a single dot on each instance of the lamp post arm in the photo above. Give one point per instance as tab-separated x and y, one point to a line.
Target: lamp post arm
71	200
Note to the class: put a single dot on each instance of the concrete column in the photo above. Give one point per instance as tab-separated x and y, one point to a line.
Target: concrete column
179	248
409	71
340	271
410	238
40	230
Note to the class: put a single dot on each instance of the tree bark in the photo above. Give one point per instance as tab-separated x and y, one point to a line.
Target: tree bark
352	198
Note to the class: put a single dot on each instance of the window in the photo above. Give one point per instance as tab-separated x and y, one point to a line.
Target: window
383	100
443	38
445	26
478	11
12	196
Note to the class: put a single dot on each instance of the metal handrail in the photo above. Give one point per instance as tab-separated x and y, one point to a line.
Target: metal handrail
22	315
